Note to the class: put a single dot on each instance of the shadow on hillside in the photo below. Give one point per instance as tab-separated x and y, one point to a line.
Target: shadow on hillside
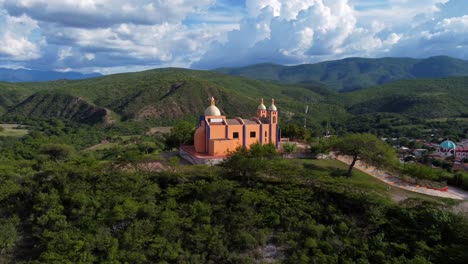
315	167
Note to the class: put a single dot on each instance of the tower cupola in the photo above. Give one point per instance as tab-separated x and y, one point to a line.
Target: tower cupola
261	110
272	106
261	106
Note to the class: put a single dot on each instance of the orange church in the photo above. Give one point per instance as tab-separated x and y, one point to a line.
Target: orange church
217	136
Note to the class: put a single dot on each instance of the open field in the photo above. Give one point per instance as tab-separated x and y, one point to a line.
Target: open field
11	130
326	168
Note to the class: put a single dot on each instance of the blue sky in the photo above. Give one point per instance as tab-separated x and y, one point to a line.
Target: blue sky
110	36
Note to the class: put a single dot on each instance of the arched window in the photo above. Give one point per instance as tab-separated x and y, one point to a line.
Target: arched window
274	119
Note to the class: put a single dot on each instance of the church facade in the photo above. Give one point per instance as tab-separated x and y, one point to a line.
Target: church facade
217	136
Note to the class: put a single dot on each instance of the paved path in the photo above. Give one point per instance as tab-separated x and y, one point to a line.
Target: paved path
452	193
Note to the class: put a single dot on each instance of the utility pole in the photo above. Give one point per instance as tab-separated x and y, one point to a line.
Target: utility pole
305	116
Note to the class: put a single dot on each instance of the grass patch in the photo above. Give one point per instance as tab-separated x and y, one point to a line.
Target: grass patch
12	130
103	146
330	170
336	170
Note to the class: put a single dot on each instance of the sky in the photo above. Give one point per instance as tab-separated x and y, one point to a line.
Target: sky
110	36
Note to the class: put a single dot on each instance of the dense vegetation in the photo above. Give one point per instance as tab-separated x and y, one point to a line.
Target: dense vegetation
355	73
62	202
414	108
425	98
165	95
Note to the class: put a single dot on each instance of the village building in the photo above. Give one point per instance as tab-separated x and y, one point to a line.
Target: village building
448	149
216	136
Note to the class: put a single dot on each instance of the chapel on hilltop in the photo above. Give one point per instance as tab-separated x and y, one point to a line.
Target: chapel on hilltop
216	135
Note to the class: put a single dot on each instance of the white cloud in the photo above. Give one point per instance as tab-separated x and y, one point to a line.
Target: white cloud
90	56
119	35
64	53
14	39
105	13
454	24
291	31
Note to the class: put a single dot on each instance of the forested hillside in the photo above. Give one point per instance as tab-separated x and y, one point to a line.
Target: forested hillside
355	73
427	98
62	202
166	95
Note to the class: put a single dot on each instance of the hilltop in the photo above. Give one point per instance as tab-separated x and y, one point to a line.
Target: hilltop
355	73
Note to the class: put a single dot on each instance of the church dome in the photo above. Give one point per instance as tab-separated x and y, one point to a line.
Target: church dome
261	106
447	144
272	106
212	110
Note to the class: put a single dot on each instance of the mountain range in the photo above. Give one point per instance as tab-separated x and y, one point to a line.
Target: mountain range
355	73
165	95
25	75
171	94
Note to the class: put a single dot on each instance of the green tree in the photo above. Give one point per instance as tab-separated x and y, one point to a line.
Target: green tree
247	163
181	134
289	148
366	147
57	151
295	132
8	234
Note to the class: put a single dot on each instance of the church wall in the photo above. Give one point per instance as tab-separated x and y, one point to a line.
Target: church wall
217	131
255	129
236	128
266	134
200	139
222	147
273	133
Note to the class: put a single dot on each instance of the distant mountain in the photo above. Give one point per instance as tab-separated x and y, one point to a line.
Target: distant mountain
355	73
168	95
164	95
24	75
426	98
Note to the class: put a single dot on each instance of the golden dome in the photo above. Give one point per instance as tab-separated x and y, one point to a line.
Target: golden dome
212	110
261	106
272	106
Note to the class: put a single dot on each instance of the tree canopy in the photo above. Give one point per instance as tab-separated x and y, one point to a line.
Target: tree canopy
366	147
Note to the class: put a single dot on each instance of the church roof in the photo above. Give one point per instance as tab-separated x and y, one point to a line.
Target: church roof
447	144
233	122
264	120
212	110
249	122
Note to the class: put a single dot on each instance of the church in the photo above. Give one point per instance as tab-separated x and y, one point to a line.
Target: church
216	135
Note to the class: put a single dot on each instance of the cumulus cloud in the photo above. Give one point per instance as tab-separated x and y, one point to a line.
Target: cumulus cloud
103	33
105	13
121	35
14	42
441	33
292	31
305	31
